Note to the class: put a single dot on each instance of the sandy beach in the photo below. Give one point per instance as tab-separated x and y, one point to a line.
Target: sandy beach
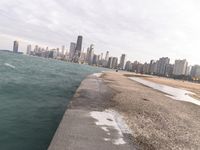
157	121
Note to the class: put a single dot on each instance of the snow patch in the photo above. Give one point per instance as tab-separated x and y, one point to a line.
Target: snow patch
110	119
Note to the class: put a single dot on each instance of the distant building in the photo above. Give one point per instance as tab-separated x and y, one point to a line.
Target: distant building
135	66
28	51
107	56
57	53
152	66
90	54
78	49
122	62
101	57
169	70
105	61
36	49
63	50
72	50
15	46
139	68
146	68
96	60
195	71
83	58
128	66
180	67
161	66
110	61
188	70
115	63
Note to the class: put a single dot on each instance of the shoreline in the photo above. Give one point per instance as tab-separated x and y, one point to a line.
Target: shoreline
151	119
158	121
89	122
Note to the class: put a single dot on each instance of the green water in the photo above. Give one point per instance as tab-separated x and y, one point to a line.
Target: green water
34	93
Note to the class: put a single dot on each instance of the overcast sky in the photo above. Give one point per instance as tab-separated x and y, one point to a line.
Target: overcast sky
142	29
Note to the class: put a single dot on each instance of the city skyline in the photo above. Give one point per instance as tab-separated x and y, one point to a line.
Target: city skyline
162	67
138	31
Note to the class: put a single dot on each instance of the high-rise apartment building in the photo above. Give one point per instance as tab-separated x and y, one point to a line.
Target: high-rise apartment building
128	66
195	72
122	62
145	68
15	46
169	70
152	67
161	66
180	67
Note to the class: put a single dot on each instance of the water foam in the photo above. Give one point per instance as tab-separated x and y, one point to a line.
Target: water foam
9	65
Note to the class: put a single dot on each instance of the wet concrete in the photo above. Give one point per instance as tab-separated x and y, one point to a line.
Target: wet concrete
78	129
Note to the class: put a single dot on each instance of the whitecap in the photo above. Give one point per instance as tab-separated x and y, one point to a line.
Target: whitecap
9	65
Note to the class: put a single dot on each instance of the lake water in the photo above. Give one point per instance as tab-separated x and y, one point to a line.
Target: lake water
34	93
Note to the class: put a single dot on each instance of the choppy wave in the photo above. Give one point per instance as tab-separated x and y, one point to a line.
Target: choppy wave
34	97
9	65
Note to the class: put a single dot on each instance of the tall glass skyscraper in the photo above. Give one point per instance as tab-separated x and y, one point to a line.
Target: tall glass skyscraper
15	47
78	49
79	44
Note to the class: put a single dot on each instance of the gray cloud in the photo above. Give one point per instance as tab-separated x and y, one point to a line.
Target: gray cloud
144	29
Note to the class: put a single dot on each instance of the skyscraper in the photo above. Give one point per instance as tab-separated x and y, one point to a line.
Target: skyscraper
15	47
28	51
114	62
195	71
180	67
110	60
128	66
188	70
78	49
36	49
107	56
72	50
95	60
122	61
161	65
63	49
152	67
90	54
101	57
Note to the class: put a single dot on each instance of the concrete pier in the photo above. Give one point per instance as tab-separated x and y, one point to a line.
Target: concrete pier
78	129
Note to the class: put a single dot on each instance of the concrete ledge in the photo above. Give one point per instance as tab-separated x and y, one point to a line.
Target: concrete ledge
78	130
